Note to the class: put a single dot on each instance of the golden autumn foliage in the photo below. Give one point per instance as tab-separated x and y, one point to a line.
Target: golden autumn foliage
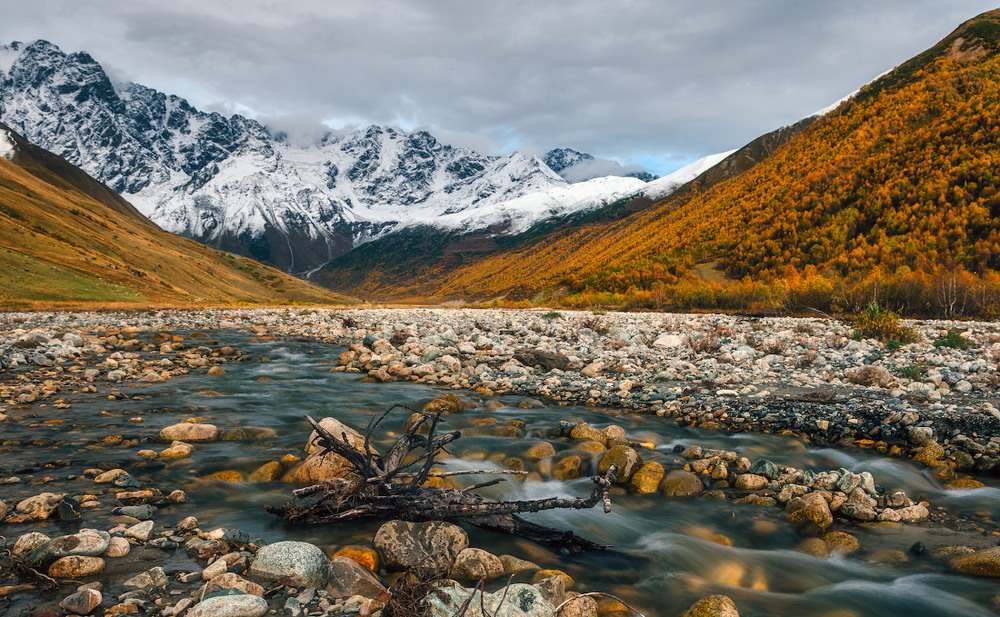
894	192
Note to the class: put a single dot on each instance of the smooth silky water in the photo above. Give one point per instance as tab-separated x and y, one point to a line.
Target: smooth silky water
667	552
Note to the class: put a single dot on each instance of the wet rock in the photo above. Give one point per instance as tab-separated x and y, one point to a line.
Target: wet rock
841	543
143	512
177	449
28	542
647	479
766	468
548	573
473	564
82	602
318	467
236	605
402	544
291	559
76	566
189	431
89	543
226	475
613	435
586	432
713	606
913	513
68	509
108	476
539	451
567	468
985	563
679	483
230	580
268	472
627	459
39	507
515	565
153	578
752	482
118	547
141	531
811	513
349	578
3	510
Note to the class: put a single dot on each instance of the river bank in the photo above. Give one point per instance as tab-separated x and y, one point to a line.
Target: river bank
806	379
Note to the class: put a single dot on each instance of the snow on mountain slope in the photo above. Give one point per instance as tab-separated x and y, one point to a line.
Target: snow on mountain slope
519	214
232	184
7	147
660	188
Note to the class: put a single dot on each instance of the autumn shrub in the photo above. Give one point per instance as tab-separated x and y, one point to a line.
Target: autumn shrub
882	324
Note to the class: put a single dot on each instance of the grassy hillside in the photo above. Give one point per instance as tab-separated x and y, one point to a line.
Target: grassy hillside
65	239
898	188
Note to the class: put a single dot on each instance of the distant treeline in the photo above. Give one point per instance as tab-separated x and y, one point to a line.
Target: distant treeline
946	292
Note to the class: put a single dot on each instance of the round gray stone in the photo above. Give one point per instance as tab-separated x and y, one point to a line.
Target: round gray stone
240	605
291	559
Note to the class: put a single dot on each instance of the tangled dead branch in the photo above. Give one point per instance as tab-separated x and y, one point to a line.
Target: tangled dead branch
393	487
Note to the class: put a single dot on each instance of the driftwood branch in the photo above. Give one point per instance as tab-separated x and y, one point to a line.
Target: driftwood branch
383	487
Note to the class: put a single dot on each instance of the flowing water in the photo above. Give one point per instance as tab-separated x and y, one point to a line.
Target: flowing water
667	552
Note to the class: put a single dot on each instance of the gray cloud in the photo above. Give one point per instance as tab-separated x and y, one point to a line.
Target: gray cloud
661	82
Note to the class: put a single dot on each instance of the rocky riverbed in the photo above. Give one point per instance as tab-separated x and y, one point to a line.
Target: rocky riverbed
807	379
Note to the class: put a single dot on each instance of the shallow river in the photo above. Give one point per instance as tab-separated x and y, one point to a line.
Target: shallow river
667	552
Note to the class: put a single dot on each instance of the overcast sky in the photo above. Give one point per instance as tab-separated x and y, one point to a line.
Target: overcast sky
652	82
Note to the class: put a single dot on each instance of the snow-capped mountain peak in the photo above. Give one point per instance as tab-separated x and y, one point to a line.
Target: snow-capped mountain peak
231	183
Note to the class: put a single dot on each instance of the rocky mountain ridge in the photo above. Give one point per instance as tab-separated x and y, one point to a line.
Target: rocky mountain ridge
232	184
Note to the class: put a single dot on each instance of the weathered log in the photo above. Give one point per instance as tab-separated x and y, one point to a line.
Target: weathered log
383	489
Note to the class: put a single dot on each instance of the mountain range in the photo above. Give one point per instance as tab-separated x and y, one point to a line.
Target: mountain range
232	184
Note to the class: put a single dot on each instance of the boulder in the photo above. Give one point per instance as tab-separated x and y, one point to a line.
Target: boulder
751	481
153	578
647	479
811	513
231	580
679	483
76	566
83	602
318	467
349	578
627	459
448	602
289	559
39	507
189	431
984	563
473	564
403	544
90	543
234	605
548	360
567	468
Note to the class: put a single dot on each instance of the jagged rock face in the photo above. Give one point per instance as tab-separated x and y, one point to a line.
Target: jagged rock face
564	158
232	184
